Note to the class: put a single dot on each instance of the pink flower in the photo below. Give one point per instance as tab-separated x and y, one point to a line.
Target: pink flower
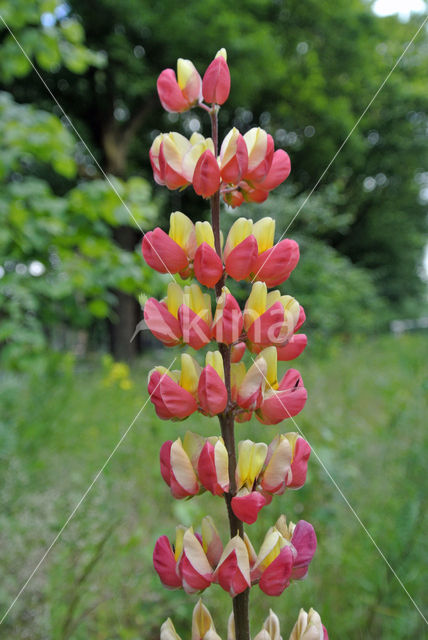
228	321
285	555
278	172
246	506
162	253
193	567
177	470
182	92
250	390
207	265
174	158
274	564
233	570
260	147
212	391
274	265
304	541
206	177
168	167
187	564
173	393
165	563
240	252
216	80
299	463
269	318
293	348
277	471
286	401
162	317
233	157
213	467
195	317
171	252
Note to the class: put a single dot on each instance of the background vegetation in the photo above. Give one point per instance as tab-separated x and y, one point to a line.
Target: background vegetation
76	191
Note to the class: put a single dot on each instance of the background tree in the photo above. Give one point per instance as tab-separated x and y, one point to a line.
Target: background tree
318	66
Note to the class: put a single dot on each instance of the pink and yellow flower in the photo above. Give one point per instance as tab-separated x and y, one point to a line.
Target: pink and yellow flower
228	321
179	93
174	393
212	392
172	252
283	399
269	318
195	317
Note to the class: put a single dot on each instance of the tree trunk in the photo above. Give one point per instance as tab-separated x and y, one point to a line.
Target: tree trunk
127	312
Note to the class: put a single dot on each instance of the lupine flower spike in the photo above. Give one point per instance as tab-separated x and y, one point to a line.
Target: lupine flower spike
237	377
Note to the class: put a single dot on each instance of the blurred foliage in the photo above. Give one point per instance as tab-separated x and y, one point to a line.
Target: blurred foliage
46	44
366	420
304	71
59	264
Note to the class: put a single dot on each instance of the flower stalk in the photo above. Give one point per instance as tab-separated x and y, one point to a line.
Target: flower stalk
227	420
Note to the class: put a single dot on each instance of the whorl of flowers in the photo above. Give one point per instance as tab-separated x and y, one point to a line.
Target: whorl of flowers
244	168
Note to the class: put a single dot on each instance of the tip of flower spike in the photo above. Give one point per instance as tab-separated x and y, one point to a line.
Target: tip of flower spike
221	52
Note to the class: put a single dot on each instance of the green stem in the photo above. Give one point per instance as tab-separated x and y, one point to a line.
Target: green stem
227	421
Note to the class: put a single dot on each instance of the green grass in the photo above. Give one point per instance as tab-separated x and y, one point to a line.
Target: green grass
365	420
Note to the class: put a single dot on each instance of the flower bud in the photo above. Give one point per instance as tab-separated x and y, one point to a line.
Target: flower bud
309	627
216	80
271	625
168	632
237	352
293	348
202	624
